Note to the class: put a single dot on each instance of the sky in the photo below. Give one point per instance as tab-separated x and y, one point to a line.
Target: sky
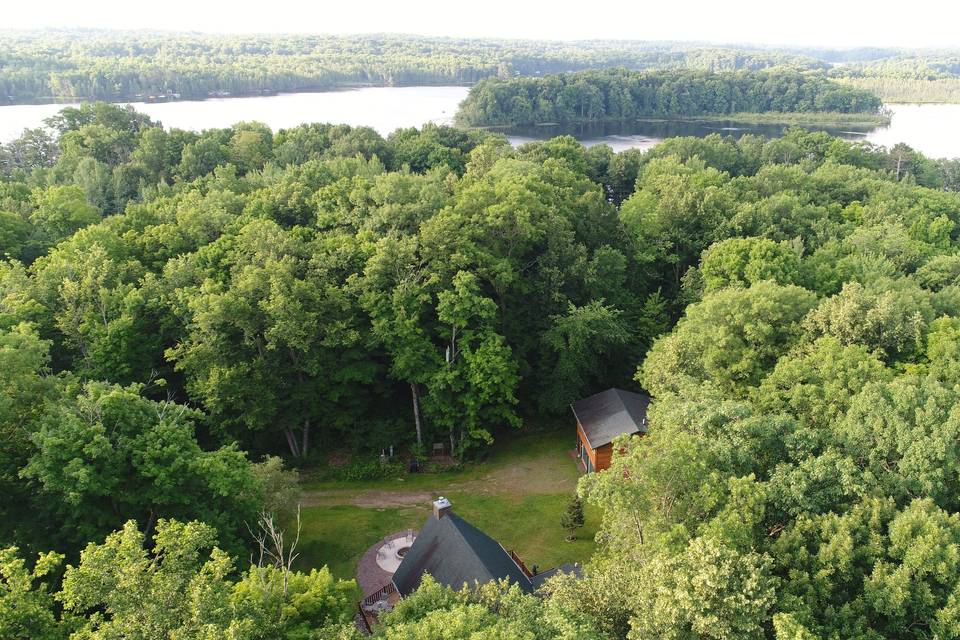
826	23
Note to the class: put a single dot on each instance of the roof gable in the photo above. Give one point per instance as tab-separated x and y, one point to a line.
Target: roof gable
611	413
455	553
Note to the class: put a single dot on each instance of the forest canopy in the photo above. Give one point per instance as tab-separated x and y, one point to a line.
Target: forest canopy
179	310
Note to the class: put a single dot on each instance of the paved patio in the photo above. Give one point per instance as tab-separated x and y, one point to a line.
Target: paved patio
370	575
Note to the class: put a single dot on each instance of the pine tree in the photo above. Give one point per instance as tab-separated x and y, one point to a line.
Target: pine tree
572	519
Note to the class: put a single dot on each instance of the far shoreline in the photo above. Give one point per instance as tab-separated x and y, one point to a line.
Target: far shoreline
770	117
68	101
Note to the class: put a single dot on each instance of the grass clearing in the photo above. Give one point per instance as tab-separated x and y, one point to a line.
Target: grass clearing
546	448
337	536
516	496
530	525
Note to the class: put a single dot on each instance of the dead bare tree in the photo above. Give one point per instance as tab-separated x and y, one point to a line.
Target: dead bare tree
272	552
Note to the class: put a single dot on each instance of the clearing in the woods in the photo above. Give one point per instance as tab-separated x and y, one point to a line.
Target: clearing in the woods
517	496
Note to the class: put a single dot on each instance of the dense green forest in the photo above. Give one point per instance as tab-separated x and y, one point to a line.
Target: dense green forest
896	89
118	66
187	317
929	76
618	94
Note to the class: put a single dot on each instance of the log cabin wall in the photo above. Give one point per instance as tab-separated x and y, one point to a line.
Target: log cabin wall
602	457
599	458
585	446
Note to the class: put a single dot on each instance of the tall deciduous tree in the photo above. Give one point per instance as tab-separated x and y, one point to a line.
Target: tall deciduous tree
275	340
398	297
732	338
108	455
474	391
706	591
677	211
28	610
584	343
61	210
174	587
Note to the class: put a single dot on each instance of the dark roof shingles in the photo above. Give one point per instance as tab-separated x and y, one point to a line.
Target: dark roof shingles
455	553
542	577
611	413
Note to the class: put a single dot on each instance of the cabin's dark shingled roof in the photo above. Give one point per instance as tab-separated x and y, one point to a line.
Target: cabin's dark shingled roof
611	413
540	578
455	553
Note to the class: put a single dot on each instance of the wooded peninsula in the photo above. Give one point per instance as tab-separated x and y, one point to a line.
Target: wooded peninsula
621	95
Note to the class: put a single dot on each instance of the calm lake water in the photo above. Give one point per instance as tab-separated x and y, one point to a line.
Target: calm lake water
933	129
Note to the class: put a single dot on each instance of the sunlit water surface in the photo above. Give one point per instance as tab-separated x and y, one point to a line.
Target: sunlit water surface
933	129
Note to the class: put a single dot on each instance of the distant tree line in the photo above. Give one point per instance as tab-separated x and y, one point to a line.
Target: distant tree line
104	65
906	77
619	94
898	89
906	65
118	66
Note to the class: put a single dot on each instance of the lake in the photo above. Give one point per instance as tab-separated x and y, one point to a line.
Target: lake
383	108
933	129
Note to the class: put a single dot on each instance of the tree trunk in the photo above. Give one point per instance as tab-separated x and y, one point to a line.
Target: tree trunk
453	444
292	443
151	520
305	449
416	411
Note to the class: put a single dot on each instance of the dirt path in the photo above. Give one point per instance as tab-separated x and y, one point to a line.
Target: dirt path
368	498
532	476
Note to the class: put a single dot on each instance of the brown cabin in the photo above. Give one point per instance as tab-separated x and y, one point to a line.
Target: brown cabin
601	418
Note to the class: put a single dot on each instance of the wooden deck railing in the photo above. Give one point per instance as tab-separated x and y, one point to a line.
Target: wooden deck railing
370	614
520	564
379	594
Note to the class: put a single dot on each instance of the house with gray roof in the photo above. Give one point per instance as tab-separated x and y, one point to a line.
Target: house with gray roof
603	417
456	554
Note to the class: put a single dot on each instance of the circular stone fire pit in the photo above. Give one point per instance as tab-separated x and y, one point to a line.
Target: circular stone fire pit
390	554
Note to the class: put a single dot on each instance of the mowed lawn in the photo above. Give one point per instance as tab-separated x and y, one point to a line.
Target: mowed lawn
517	496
